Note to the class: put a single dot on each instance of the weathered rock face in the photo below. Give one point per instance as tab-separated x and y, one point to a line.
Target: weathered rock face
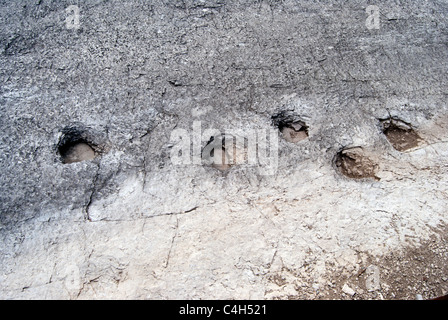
119	219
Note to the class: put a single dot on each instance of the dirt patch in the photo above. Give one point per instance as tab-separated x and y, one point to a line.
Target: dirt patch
415	273
400	134
419	273
353	163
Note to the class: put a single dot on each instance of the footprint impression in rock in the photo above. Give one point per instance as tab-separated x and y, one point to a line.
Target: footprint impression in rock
292	128
80	151
355	164
400	134
224	151
74	146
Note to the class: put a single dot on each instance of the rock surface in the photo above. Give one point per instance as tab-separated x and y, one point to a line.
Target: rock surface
130	224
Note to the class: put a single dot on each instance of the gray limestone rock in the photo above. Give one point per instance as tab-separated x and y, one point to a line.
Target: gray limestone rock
108	83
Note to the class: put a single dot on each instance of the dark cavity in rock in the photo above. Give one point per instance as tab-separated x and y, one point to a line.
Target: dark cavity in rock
75	147
292	128
354	164
400	134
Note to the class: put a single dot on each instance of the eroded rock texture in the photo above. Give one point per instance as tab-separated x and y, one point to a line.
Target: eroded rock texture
122	221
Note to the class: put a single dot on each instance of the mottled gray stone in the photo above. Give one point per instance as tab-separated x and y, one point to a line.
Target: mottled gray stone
130	224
